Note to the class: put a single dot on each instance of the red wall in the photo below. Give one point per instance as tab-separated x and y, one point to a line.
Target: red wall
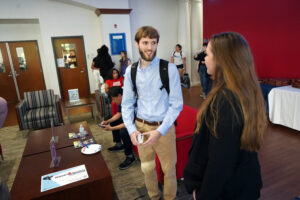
271	27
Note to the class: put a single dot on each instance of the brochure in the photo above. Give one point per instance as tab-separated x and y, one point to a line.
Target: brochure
76	135
64	177
79	143
73	95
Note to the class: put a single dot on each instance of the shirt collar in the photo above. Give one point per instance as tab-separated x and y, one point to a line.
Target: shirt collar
153	63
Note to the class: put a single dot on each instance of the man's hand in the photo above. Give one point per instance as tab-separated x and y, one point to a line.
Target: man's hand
108	127
152	139
133	138
104	123
194	194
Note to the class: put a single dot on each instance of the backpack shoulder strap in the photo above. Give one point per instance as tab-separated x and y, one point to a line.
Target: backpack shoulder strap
133	77
164	75
181	54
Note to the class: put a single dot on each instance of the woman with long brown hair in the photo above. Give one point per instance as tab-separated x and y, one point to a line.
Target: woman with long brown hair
223	161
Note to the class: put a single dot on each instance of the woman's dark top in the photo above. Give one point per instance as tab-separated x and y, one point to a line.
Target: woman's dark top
124	65
217	168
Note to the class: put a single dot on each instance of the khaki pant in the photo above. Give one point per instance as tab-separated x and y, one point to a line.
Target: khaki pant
165	148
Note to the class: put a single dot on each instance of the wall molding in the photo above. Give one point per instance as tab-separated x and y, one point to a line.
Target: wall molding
101	11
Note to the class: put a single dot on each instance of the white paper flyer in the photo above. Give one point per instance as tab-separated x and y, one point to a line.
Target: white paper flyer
64	177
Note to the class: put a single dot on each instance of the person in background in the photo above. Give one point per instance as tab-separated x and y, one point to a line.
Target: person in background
124	63
115	79
156	110
179	59
116	94
3	111
205	80
102	62
223	162
4	191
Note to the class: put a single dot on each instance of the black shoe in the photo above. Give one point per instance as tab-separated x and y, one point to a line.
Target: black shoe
127	163
116	148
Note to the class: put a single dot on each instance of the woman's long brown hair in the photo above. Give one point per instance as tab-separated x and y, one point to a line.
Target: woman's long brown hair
235	71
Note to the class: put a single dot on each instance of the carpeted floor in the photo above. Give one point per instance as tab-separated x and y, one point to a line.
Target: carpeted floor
128	184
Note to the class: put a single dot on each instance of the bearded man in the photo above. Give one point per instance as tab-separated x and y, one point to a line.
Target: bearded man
149	109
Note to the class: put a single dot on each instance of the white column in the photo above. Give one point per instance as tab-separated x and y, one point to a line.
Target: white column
184	30
196	37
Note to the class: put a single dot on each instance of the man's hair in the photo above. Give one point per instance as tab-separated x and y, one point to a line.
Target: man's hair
205	44
146	31
114	91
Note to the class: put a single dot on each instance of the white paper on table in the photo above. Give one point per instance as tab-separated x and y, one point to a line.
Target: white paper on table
64	177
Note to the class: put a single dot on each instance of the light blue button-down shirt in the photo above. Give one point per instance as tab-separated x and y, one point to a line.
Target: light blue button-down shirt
153	104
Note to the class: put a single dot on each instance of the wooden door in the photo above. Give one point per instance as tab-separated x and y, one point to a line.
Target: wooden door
7	86
28	70
72	70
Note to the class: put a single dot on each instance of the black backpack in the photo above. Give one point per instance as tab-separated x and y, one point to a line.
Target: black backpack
186	83
163	71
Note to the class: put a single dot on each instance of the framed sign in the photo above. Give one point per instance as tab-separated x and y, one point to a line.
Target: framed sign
117	43
73	95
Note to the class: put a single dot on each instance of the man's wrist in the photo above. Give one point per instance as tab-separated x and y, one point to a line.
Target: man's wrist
161	131
131	129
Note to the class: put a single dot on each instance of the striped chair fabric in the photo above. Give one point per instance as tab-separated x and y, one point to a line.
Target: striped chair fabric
103	104
38	108
38	99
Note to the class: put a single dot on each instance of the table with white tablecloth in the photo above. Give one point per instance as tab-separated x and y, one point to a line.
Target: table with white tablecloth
284	106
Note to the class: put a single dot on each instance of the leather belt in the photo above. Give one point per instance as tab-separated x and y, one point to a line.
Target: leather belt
149	123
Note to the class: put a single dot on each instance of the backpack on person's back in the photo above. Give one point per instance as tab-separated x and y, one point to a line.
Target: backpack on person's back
164	76
163	71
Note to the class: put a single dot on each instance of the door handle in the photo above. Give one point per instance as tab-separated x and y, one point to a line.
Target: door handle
10	74
82	71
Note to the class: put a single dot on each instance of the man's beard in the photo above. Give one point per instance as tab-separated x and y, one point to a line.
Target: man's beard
144	57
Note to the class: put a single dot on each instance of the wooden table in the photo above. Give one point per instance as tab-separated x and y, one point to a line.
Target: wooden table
81	103
38	141
27	184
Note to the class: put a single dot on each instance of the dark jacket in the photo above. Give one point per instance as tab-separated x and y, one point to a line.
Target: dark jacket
217	168
200	57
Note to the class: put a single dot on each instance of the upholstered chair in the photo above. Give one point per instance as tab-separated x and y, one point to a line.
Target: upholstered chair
37	109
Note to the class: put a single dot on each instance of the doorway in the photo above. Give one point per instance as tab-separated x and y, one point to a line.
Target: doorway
20	69
70	61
